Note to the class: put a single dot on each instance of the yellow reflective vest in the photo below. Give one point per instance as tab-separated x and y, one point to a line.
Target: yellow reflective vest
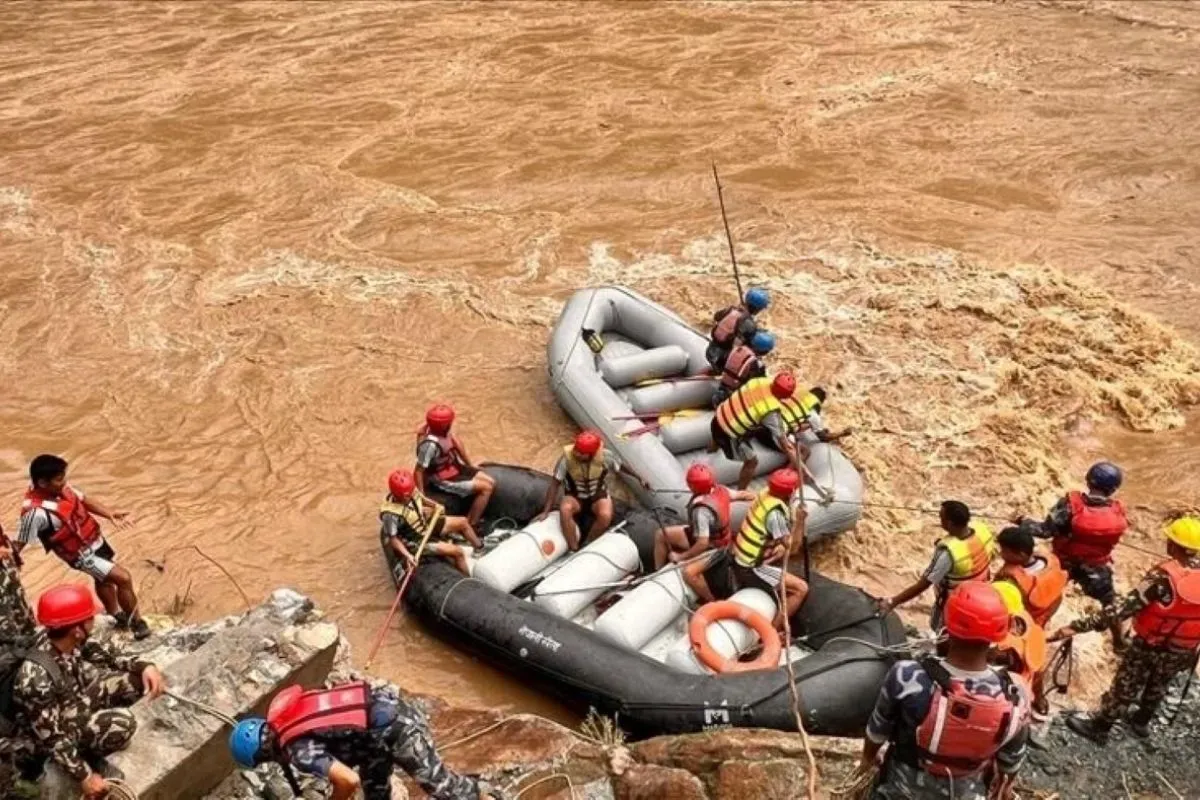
751	542
795	410
971	556
747	407
585	479
413	516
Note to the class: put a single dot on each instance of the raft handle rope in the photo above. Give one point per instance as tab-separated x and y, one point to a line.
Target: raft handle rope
387	622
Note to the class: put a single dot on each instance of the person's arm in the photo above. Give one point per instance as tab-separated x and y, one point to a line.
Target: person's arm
427	452
33	521
100	510
343	781
742	496
1057	522
113	658
701	523
774	423
1153	588
556	482
935	573
883	717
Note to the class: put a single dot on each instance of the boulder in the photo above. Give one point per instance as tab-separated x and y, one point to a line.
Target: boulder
649	782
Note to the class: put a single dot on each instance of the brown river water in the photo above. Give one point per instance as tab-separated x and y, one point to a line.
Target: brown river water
243	245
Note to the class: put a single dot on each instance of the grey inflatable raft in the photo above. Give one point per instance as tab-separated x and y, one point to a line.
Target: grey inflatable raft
652	362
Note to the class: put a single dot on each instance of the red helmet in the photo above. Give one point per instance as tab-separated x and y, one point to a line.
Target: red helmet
439	418
700	479
784	385
401	483
587	443
64	606
975	611
783	482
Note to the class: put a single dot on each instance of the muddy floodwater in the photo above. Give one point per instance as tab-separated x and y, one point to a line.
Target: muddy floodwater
242	246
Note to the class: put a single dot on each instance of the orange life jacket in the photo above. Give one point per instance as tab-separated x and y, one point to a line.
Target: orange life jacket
1028	645
295	713
739	367
962	731
448	464
724	332
1042	591
719	501
1177	624
1095	531
78	529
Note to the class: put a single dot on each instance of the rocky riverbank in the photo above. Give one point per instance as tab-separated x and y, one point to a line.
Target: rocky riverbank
233	665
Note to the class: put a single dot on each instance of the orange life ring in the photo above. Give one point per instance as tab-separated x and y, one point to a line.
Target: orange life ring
709	613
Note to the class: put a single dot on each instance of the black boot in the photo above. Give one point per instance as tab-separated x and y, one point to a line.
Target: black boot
139	627
1090	727
122	619
1139	723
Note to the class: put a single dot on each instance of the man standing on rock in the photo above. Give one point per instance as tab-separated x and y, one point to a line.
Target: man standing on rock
1165	608
65	522
946	720
352	735
73	690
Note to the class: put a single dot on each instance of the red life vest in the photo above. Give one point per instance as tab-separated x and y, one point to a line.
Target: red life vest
739	367
1095	531
1177	624
962	731
78	529
726	329
719	502
295	713
448	463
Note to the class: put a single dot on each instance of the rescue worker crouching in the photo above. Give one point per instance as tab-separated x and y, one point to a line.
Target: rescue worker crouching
582	473
963	555
73	691
1165	608
64	520
352	735
753	408
945	720
408	517
743	364
1084	528
772	526
734	323
708	520
443	464
1038	575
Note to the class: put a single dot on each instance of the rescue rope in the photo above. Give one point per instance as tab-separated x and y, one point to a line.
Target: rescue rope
117	790
793	690
221	715
387	622
540	781
161	566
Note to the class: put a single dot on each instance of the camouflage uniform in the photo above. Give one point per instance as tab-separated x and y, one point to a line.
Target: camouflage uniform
82	717
1096	580
17	630
397	735
1145	672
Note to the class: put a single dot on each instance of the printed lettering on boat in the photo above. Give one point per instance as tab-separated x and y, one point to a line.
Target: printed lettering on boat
537	637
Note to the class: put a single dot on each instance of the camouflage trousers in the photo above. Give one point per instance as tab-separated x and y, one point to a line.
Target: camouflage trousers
1142	679
407	743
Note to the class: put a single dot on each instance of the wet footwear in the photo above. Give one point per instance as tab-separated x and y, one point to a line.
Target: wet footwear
140	629
1140	729
1089	728
122	619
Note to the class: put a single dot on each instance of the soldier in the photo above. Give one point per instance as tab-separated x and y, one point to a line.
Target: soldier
16	617
1165	608
73	690
64	520
354	736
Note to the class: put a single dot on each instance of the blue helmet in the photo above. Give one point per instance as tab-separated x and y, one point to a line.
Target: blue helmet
1104	477
762	343
757	299
245	742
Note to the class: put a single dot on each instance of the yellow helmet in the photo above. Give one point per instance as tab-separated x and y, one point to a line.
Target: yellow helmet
1011	596
1185	532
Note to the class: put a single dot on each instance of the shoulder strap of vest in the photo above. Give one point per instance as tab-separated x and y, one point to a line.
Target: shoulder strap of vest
47	662
937	671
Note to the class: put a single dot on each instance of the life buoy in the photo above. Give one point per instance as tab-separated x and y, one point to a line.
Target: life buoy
709	613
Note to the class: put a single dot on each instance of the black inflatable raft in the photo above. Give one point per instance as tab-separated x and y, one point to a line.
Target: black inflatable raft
837	683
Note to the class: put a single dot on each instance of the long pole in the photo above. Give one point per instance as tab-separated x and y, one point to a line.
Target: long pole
737	278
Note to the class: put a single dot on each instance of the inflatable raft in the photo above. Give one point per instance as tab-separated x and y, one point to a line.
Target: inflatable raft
651	364
599	632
